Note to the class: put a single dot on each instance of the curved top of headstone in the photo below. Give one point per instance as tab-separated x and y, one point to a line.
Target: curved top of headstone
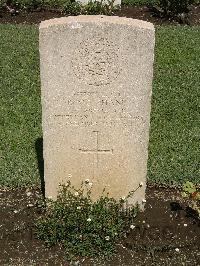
75	20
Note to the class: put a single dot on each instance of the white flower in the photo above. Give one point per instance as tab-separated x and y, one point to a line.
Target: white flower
87	181
144	201
177	249
89	220
123	198
76	194
107	238
141	184
28	194
185	225
90	184
79	207
15	211
132	226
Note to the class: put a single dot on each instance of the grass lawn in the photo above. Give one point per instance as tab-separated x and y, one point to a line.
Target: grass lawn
175	118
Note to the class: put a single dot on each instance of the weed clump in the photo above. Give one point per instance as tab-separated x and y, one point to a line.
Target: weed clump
84	227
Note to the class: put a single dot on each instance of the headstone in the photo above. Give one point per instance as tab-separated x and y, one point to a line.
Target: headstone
96	78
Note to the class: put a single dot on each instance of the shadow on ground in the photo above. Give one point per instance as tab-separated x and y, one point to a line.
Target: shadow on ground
40	160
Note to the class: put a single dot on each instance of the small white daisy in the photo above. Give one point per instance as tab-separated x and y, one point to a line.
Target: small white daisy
89	220
90	184
107	238
185	225
132	226
76	193
144	201
177	249
123	198
79	207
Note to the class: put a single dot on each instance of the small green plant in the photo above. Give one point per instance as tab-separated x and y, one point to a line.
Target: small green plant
100	7
59	4
172	8
72	8
24	4
84	227
2	3
91	8
138	2
190	191
94	7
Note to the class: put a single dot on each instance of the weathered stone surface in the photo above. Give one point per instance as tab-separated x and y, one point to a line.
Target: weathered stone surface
96	76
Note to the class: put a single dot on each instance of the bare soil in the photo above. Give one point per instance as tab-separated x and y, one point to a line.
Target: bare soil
166	233
142	12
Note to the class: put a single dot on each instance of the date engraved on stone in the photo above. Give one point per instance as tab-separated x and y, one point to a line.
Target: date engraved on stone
96	62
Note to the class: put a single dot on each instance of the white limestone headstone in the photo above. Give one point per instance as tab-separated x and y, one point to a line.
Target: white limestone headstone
96	77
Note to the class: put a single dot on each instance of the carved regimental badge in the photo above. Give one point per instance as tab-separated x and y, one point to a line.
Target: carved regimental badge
96	62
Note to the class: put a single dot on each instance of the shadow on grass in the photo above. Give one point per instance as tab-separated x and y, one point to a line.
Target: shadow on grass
39	152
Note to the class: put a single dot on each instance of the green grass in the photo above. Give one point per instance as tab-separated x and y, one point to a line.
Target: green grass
20	120
175	124
175	118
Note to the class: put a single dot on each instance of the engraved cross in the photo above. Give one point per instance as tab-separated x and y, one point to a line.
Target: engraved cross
96	151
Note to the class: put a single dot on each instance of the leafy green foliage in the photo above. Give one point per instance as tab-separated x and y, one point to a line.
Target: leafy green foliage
25	4
69	7
55	3
189	187
64	5
91	8
84	227
72	8
138	2
100	7
175	7
2	3
190	191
